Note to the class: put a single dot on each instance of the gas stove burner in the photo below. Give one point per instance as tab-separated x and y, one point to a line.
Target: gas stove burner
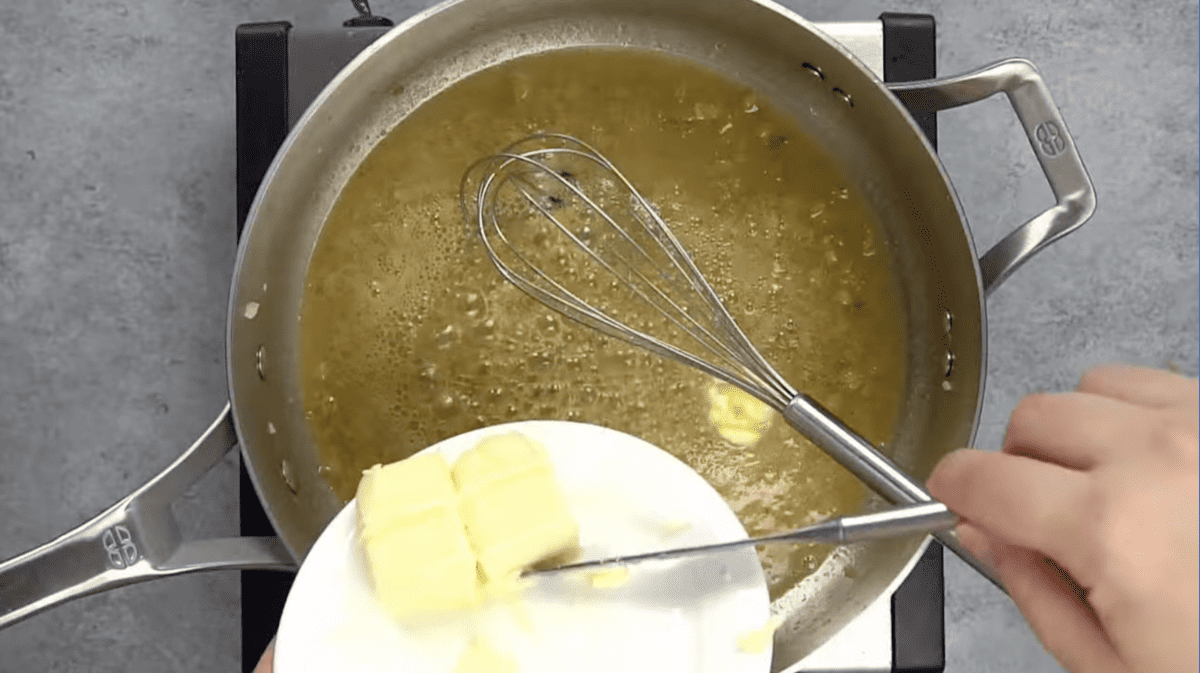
280	71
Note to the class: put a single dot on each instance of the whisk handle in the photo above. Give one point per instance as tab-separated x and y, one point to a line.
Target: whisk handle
853	452
874	469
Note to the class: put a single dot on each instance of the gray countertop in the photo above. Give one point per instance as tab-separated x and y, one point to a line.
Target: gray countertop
116	248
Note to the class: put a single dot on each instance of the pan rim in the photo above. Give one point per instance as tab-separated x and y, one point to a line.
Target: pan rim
281	160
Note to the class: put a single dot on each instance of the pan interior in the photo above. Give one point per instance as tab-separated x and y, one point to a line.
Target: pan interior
395	349
410	336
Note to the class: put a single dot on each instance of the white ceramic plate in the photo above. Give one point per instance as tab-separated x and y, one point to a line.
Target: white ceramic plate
628	496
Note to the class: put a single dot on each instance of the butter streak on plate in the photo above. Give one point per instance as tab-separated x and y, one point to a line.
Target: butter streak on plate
684	615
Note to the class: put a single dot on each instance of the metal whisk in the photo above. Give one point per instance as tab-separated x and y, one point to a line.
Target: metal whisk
556	195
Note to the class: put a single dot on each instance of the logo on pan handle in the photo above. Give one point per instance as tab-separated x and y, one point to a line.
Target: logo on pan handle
1050	139
119	545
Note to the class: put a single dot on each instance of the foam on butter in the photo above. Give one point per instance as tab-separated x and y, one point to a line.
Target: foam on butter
738	416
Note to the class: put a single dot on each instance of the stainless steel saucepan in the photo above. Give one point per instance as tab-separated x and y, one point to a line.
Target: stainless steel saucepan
858	118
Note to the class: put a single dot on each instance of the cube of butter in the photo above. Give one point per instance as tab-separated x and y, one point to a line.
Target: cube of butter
511	506
417	552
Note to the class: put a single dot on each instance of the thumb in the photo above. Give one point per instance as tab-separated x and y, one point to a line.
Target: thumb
1053	604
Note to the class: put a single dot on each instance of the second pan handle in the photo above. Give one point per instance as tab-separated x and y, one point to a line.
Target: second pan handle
1052	144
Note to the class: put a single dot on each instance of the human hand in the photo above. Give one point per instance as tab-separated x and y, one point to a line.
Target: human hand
267	663
1089	517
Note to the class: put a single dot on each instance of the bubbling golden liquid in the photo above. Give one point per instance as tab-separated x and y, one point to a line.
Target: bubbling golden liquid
410	336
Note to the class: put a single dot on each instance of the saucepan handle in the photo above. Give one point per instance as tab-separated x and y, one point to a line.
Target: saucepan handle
135	540
1052	144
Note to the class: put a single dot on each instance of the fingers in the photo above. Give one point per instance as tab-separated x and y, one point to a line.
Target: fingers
267	663
1026	502
1075	430
1138	385
1054	606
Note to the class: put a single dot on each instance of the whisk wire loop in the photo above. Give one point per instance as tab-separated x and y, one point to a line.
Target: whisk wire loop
643	241
624	268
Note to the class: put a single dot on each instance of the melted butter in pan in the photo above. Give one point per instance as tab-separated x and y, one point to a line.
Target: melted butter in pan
410	336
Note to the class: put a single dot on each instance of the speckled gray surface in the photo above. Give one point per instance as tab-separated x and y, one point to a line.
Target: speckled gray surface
117	207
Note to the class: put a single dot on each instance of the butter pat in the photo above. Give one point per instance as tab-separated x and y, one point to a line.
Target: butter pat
673	527
757	641
418	555
610	578
482	658
738	416
511	506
